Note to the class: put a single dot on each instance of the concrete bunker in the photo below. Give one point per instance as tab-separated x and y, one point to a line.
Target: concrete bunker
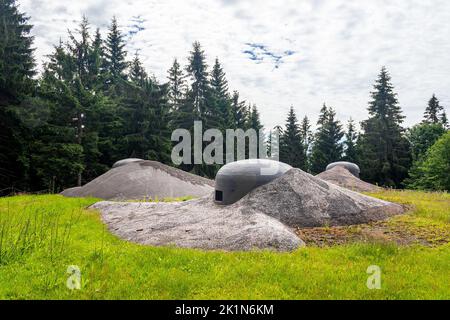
237	179
352	167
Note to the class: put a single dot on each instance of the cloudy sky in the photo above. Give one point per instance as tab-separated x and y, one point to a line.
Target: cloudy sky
281	53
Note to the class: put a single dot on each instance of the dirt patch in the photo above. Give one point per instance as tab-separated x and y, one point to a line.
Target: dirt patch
342	177
401	230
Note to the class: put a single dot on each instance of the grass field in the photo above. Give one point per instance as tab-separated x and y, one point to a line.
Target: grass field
41	236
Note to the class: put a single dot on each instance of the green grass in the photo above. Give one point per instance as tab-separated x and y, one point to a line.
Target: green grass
40	236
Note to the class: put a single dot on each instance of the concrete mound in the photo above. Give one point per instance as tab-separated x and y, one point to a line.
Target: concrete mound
263	219
139	180
342	177
299	199
197	224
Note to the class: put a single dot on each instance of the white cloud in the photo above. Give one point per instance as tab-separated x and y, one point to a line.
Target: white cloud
338	46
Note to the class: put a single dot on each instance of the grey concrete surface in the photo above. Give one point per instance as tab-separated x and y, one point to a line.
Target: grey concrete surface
344	178
263	219
142	180
198	223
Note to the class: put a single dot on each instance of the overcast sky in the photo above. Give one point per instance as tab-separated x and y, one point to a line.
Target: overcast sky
281	53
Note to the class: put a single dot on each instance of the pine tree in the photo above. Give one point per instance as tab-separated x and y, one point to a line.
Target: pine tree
292	148
351	137
327	146
115	53
433	111
384	151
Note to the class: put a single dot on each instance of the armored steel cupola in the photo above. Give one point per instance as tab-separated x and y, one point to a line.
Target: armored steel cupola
236	179
352	167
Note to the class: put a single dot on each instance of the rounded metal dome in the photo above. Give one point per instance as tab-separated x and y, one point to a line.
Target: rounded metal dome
124	162
236	179
350	166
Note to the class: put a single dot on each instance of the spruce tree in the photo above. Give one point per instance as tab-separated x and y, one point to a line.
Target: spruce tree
16	72
196	105
79	47
144	113
307	139
158	131
197	71
255	124
115	53
351	137
220	100
16	53
274	145
254	119
444	120
327	146
199	100
384	151
177	85
70	80
238	112
433	112
219	83
96	60
323	115
292	148
137	73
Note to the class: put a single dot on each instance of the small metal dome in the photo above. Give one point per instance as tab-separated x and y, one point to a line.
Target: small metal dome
352	167
236	179
124	162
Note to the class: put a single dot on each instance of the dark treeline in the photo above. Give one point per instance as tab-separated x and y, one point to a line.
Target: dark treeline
94	104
